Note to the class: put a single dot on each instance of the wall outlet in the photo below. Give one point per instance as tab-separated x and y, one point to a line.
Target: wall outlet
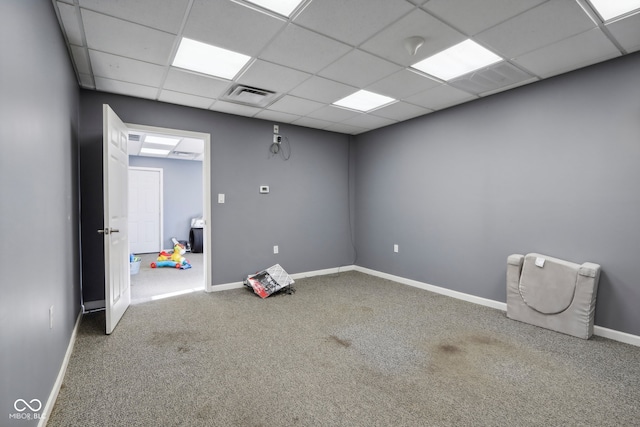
276	129
395	248
264	189
51	317
275	249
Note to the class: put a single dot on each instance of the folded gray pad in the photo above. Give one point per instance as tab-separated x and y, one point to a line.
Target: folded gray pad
552	293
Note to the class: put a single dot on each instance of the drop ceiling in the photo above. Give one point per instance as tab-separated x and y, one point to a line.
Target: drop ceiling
162	145
329	49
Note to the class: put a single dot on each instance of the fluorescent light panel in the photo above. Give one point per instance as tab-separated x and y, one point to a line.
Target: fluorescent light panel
363	100
283	7
205	58
458	60
152	139
156	151
609	9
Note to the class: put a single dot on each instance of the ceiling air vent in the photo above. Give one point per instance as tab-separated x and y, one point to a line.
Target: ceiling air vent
134	137
250	96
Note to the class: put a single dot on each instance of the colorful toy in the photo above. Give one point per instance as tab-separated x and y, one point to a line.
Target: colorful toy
172	259
165	264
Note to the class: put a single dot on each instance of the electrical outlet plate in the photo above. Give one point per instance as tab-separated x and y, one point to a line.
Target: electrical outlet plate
276	249
264	189
276	129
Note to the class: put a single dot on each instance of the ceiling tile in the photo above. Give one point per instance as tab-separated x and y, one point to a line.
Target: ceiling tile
195	84
575	52
368	121
471	17
232	26
312	123
125	69
490	79
276	116
294	105
185	99
389	43
231	108
273	77
351	21
119	37
69	15
627	32
344	128
541	26
303	50
322	90
359	69
165	15
81	59
333	114
402	84
440	97
125	88
400	111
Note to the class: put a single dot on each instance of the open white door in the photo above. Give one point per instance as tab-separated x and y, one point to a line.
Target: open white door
116	236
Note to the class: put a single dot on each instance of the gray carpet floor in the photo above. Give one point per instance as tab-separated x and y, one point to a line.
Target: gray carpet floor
343	350
153	282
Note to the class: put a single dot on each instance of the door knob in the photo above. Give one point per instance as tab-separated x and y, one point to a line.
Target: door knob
108	230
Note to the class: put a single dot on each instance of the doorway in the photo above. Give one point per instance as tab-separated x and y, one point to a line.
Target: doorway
169	178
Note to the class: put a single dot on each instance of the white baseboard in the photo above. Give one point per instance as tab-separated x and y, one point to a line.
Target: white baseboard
322	272
296	276
46	412
597	330
612	334
436	289
226	287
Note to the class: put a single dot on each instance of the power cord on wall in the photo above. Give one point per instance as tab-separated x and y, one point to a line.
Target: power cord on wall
281	148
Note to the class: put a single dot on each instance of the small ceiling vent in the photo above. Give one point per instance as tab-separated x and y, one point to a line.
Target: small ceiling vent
134	137
250	96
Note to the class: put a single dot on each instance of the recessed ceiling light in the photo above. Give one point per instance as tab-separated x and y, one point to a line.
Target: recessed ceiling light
609	9
283	7
364	100
205	58
457	60
156	151
162	140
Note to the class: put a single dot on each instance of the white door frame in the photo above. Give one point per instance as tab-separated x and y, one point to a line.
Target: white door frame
206	188
161	223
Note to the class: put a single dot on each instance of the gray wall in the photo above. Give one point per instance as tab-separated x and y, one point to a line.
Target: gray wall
181	195
38	203
306	213
551	167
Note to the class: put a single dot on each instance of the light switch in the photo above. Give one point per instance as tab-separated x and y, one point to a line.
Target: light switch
264	189
220	198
